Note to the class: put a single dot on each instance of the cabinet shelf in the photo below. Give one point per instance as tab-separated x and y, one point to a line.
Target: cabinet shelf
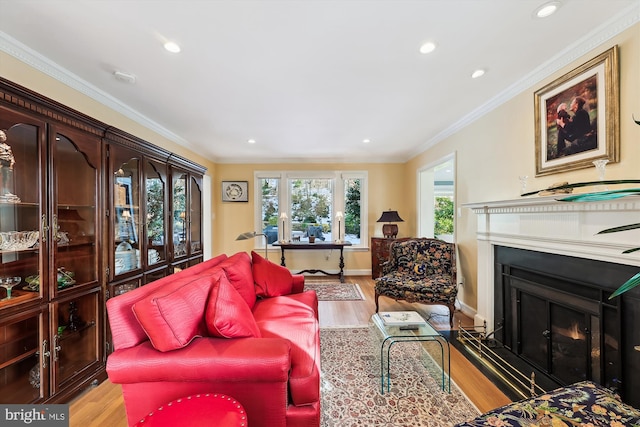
18	296
66	334
18	358
21	204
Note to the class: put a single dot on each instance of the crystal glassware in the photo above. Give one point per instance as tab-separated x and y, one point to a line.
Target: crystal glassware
8	283
523	183
600	167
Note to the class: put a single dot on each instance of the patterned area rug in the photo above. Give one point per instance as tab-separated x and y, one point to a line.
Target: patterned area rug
335	291
350	390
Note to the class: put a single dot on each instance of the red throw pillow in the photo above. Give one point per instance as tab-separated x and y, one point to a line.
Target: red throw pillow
227	314
172	320
271	279
238	270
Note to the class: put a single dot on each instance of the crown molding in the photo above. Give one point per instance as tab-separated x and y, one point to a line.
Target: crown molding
35	60
568	55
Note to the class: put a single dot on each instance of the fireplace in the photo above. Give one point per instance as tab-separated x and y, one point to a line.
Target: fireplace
553	312
544	278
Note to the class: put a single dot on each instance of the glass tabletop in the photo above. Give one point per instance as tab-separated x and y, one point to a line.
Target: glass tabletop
423	329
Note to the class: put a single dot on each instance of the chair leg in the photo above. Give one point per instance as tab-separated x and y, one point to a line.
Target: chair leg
452	309
377	296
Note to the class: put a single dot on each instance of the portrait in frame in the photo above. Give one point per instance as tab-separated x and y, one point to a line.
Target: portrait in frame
577	117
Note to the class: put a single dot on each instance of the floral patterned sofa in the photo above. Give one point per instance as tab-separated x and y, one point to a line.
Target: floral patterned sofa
581	404
420	270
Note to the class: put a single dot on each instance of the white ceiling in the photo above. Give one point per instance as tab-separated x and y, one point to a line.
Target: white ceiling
307	79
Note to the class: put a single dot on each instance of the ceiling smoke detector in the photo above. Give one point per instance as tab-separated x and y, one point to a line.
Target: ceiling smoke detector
124	77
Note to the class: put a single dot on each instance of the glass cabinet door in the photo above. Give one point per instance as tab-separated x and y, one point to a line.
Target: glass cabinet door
75	217
22	218
23	373
75	333
126	213
195	220
155	181
179	217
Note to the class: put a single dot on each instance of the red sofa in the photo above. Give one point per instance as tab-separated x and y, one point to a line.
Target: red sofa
239	325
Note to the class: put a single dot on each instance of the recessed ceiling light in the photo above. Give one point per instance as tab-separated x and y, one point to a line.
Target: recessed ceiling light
428	47
251	141
547	9
172	47
366	141
477	73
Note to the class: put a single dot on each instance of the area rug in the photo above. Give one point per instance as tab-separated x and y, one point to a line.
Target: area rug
335	291
350	390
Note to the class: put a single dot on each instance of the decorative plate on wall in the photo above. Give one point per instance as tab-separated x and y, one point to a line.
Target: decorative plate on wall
235	191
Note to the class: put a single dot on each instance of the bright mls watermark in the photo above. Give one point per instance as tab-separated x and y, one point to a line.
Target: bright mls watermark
34	415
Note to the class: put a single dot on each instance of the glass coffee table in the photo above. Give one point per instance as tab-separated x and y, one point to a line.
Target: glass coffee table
439	352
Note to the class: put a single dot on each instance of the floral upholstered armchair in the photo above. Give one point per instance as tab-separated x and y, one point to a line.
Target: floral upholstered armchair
420	270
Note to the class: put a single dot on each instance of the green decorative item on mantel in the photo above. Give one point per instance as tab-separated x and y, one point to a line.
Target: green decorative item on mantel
602	196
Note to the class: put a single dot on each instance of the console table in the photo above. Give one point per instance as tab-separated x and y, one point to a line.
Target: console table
315	246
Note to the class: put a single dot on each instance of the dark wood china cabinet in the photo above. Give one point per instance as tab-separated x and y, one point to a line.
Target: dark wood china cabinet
51	317
86	213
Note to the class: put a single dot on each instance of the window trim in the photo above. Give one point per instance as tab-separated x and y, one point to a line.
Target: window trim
337	203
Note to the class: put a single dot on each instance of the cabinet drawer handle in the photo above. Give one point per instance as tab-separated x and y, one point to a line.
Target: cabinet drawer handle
45	354
45	228
56	347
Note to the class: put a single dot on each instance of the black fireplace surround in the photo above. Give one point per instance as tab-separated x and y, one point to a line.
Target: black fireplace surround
553	312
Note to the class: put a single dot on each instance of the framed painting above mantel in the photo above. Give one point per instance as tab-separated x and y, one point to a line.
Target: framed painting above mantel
577	117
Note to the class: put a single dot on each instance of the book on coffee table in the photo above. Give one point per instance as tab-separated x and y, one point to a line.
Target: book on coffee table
402	318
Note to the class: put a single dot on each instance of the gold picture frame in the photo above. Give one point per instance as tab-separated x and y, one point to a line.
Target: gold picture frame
577	117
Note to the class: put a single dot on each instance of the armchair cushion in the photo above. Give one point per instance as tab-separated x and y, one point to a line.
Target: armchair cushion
227	314
271	280
173	319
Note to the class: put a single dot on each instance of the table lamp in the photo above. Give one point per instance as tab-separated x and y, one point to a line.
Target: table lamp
339	217
390	230
283	217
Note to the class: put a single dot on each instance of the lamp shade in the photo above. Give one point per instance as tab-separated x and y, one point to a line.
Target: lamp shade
390	230
390	216
251	235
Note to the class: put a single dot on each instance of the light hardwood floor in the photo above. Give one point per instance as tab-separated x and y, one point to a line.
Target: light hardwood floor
103	405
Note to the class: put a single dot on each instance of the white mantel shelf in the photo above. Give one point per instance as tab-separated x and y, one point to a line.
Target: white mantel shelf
552	204
544	224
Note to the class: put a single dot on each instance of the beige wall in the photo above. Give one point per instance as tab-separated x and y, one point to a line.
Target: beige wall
493	151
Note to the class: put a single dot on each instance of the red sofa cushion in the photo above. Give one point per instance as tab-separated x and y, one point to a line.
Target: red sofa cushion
295	320
227	314
173	318
271	280
125	329
238	270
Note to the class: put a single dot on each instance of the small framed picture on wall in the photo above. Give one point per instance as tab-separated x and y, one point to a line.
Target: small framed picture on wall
235	191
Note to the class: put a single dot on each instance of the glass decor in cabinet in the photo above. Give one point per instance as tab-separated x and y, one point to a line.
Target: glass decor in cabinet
21	364
195	220
74	222
155	182
21	216
179	215
75	333
126	193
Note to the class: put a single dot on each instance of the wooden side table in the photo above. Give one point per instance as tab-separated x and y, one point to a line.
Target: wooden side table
380	253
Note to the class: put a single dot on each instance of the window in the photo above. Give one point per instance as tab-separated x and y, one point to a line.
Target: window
330	206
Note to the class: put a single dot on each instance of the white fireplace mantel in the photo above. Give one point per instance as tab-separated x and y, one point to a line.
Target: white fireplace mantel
545	224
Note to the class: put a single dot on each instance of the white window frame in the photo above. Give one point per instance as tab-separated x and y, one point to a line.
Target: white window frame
337	203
